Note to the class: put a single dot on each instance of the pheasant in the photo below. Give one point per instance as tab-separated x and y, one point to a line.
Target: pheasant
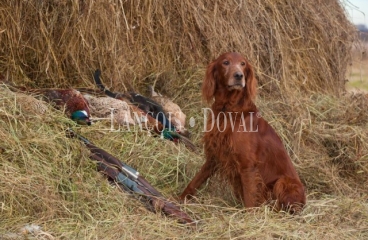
27	104
176	115
149	109
148	106
76	106
101	107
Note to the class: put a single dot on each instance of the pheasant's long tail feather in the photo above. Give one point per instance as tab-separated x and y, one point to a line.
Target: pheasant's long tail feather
99	84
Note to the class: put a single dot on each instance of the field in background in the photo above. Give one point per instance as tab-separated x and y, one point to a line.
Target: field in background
357	73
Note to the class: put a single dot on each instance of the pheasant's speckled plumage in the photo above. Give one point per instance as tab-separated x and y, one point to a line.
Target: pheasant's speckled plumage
26	103
175	114
101	107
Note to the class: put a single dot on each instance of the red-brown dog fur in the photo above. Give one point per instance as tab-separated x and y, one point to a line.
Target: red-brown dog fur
247	152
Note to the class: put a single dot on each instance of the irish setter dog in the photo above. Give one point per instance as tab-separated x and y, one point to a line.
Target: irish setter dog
240	145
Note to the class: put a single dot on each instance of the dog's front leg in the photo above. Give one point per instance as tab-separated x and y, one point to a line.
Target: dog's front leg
206	171
249	186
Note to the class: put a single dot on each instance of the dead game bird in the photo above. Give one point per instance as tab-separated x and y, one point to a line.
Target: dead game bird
147	105
76	106
151	111
175	114
102	107
26	103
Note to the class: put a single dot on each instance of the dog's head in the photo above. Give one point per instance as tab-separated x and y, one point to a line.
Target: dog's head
229	72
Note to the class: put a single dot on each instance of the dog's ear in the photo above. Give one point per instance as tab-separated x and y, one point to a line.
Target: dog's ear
251	82
209	83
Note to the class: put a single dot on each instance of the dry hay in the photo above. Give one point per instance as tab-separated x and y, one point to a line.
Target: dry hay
300	50
298	45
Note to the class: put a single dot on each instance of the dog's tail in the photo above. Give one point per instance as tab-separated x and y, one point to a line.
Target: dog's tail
99	84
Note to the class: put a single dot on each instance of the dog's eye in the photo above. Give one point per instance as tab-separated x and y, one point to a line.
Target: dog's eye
226	62
242	63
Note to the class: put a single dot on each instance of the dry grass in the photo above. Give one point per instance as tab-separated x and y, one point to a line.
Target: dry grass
47	43
300	50
48	180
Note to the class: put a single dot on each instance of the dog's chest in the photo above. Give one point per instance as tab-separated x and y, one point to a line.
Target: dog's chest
219	135
219	148
225	135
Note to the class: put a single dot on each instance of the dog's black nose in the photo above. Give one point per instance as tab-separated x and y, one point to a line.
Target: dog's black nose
238	76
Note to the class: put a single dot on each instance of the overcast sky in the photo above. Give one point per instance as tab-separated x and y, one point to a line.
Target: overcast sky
357	10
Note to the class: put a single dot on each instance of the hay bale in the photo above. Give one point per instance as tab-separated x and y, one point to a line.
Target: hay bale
294	45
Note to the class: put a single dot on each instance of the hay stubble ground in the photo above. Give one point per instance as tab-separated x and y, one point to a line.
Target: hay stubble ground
46	179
